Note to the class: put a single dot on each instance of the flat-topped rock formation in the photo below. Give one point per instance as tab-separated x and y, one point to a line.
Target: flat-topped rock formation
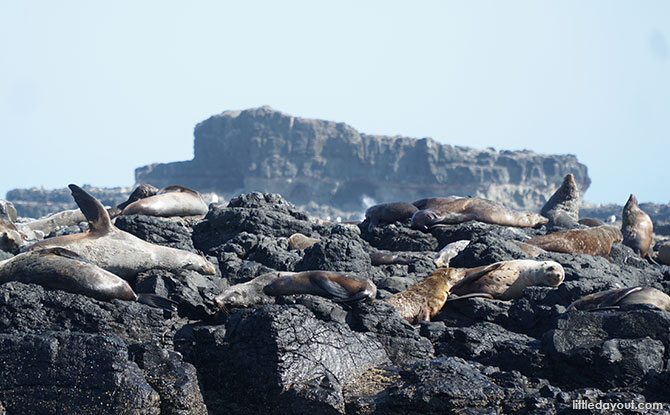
332	164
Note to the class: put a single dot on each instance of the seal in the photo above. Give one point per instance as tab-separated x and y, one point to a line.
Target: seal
36	229
337	286
617	297
10	237
562	208
142	191
449	252
170	201
386	213
590	222
637	228
474	208
300	241
117	251
424	299
506	280
434	202
249	293
663	255
61	269
592	241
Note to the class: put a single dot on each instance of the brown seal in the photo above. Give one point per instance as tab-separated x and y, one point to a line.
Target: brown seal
385	213
474	208
562	208
636	227
424	299
169	201
117	251
593	241
434	202
619	296
11	238
61	269
506	280
335	285
249	293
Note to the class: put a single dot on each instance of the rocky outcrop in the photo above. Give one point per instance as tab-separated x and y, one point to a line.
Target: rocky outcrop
333	164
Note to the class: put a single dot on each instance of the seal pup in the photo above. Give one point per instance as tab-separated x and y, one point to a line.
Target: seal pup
562	208
593	241
424	299
249	293
61	269
335	285
169	201
619	296
637	228
385	213
300	241
10	237
506	280
475	208
117	251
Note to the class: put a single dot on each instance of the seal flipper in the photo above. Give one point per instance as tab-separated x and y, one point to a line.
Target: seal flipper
474	274
331	287
614	298
157	301
95	213
454	297
66	253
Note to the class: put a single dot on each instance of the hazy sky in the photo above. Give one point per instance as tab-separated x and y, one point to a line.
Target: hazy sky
90	90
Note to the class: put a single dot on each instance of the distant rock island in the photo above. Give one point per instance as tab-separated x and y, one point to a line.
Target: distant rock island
332	164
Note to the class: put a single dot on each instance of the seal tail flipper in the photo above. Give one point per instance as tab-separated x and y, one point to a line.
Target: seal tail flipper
453	297
157	301
93	210
332	288
649	258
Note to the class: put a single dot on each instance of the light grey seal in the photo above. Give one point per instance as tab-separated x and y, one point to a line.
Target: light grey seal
170	201
562	208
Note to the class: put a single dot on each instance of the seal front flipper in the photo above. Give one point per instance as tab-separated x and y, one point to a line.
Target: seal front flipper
157	301
474	274
331	287
95	213
454	297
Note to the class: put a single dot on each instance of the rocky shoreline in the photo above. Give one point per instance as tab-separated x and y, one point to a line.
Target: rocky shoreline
67	353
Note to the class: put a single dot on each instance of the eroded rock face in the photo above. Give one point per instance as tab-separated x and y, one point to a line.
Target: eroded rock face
332	164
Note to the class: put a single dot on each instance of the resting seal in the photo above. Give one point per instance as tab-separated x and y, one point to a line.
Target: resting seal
62	269
562	208
249	293
636	227
506	280
474	208
300	241
593	241
434	202
10	237
335	285
169	201
386	213
423	300
117	251
620	296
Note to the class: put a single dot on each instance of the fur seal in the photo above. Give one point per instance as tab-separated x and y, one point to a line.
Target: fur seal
61	269
562	208
10	237
335	285
117	251
506	280
169	201
636	227
620	296
424	299
474	208
434	202
386	213
593	241
249	293
300	241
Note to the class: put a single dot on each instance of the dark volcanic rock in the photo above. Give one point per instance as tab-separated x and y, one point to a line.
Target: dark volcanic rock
161	231
395	237
332	164
68	373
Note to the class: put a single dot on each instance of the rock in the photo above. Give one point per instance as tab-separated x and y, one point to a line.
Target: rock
67	373
337	254
175	233
399	238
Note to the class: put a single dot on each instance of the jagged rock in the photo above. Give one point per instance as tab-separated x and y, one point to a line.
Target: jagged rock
399	238
175	380
337	254
26	308
68	373
157	230
331	163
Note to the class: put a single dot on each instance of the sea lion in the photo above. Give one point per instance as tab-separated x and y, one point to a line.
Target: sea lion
169	201
249	293
300	241
636	227
117	251
8	211
61	269
10	237
663	255
620	296
434	202
506	280
474	208
593	241
424	299
590	222
446	254
562	208
338	286
386	213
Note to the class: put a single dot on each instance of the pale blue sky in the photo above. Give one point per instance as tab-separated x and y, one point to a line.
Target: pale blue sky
91	90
